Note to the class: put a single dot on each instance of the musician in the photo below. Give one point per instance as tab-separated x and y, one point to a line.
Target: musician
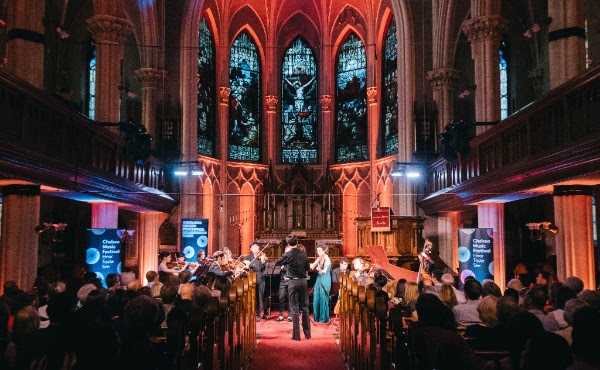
165	260
297	265
426	263
283	292
322	285
256	261
219	266
336	272
360	272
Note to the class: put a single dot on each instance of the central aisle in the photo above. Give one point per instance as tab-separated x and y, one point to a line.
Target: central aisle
276	349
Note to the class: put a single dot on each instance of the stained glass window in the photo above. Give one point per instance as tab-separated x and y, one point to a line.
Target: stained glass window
351	102
504	96
299	105
244	100
389	93
91	85
206	108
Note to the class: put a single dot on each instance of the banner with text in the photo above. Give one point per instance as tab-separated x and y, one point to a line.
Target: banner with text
381	219
194	237
103	253
476	253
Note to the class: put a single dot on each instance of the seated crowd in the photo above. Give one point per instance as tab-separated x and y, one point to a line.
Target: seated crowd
78	324
540	324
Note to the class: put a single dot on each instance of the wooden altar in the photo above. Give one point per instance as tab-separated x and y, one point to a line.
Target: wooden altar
403	239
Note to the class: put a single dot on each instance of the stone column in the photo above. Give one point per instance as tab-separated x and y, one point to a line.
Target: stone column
224	93
152	80
25	44
566	40
447	229
109	33
148	242
19	239
373	120
491	215
443	82
105	215
485	33
574	243
327	130
271	102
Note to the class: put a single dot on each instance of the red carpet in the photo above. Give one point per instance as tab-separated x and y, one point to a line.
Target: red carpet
276	349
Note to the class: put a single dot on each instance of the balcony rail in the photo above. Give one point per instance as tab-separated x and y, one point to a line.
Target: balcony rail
44	128
562	120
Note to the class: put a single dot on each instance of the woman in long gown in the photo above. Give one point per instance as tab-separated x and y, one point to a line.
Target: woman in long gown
322	286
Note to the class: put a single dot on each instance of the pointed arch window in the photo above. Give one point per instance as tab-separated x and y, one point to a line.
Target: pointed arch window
244	100
91	83
503	65
299	110
389	93
351	102
206	103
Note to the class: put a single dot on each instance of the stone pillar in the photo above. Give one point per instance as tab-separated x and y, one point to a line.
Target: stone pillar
25	44
271	102
491	215
148	242
152	80
224	93
373	120
105	215
109	33
19	239
443	82
447	229
485	33
327	130
566	40
574	243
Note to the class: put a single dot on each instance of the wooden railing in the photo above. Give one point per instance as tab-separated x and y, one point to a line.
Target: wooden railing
557	123
40	129
228	338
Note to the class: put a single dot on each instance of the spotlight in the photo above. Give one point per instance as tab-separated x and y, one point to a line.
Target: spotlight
197	172
408	170
413	174
180	173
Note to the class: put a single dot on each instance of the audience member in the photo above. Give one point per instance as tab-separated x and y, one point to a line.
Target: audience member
535	302
491	288
447	295
466	313
153	283
586	326
574	283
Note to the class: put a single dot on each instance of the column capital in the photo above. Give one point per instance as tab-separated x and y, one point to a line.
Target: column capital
271	102
443	77
486	27
326	101
108	28
372	94
565	190
224	92
150	77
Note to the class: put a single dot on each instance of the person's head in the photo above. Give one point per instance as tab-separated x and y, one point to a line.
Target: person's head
543	278
547	351
447	279
112	279
168	294
201	255
574	283
142	315
321	251
26	322
411	292
379	279
254	248
358	264
590	297
428	246
506	309
432	312
487	310
520	269
165	257
227	253
586	326
537	297
571	307
84	292
400	288
447	295
515	284
60	306
512	294
522	327
472	289
184	277
291	241
151	276
186	291
560	294
491	288
343	264
219	256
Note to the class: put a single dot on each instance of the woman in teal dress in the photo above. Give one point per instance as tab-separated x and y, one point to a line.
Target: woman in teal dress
322	286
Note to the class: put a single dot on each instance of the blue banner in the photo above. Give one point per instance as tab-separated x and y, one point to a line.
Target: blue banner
476	253
194	237
103	253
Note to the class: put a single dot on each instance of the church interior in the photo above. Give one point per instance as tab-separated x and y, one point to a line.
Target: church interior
418	181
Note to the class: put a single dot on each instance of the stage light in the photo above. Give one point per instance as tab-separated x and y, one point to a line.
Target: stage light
197	172
413	174
409	170
180	173
396	172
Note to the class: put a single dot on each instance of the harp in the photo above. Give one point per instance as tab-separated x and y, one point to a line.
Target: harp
379	257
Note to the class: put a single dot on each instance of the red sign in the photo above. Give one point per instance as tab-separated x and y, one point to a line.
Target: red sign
381	219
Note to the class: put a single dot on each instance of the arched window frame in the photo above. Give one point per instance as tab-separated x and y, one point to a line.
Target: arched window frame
504	73
389	92
305	138
206	104
351	142
245	153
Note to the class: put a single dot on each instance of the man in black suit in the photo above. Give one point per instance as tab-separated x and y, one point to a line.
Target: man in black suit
297	266
257	263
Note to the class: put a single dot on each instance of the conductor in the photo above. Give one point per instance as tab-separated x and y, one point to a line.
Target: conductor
297	266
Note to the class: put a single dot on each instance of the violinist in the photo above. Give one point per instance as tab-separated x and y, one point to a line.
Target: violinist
219	269
164	265
360	271
256	261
